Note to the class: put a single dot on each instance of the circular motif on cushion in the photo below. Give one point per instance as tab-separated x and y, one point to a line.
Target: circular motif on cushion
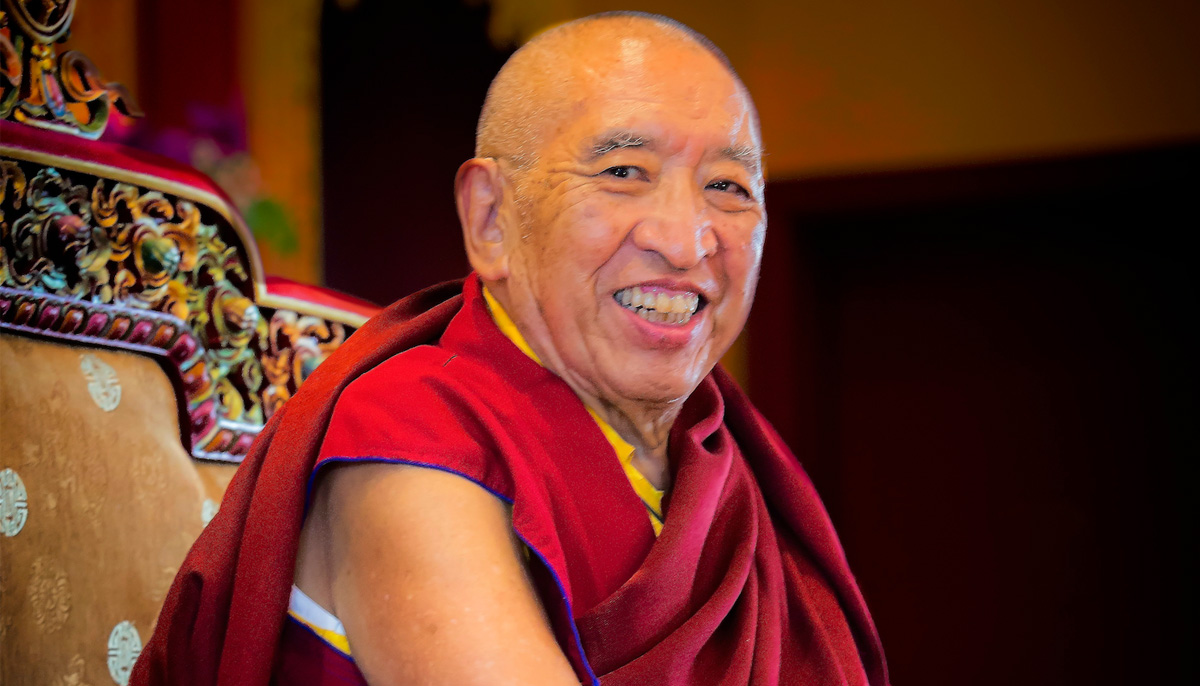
208	510
124	646
14	506
103	384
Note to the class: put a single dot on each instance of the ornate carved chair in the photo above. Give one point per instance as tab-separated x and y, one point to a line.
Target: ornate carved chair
141	351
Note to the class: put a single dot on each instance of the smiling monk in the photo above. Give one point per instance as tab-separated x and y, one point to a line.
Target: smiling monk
539	475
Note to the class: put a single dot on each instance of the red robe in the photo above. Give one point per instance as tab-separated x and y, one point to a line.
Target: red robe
746	585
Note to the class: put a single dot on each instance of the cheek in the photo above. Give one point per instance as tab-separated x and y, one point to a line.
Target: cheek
589	233
741	247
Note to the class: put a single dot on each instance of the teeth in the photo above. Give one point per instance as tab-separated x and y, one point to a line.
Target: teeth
659	307
663	303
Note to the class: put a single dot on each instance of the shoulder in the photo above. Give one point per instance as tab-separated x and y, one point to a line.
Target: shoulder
426	407
398	551
427	367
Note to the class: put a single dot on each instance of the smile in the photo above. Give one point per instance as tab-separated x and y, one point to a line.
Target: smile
657	306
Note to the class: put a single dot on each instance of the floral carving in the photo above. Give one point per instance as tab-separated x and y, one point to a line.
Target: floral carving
92	259
296	344
109	242
42	88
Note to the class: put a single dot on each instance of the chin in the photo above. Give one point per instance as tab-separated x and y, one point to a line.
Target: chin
655	389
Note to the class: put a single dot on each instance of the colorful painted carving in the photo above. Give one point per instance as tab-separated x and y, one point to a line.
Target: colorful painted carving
98	260
102	255
40	87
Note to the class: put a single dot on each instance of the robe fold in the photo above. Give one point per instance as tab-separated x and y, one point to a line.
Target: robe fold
747	583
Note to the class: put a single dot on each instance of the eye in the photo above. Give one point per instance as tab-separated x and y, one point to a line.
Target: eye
727	186
624	171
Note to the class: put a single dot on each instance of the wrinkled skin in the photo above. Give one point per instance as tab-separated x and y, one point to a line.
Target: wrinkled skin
677	213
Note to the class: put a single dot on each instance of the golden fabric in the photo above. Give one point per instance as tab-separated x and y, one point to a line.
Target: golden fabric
113	504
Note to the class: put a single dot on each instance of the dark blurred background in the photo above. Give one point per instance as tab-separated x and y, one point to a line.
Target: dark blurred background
976	320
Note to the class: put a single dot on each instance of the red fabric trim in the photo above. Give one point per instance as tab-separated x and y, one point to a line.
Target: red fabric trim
318	295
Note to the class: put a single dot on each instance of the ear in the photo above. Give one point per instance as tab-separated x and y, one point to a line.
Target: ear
479	189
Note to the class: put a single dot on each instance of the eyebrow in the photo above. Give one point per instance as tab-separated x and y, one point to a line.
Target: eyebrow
749	156
608	142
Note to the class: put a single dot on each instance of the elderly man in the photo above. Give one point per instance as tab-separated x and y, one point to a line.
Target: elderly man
545	480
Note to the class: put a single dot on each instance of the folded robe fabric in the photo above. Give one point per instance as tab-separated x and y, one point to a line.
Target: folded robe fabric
746	585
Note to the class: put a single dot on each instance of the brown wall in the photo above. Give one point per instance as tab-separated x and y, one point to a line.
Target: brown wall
884	85
989	373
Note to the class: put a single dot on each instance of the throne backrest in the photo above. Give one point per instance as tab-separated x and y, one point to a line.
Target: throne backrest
142	349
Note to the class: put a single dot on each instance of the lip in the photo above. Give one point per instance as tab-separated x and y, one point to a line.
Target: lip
659	335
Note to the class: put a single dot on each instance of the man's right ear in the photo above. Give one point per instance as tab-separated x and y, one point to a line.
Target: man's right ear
479	191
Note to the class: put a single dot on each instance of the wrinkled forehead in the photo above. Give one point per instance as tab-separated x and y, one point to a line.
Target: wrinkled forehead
639	81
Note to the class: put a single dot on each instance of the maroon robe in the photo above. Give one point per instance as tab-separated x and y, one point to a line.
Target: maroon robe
746	585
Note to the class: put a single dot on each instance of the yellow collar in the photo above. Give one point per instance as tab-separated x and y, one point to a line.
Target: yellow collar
507	327
624	450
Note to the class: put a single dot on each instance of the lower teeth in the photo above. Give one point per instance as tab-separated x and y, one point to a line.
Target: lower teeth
660	317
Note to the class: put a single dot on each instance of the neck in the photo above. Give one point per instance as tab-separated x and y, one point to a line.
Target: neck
645	426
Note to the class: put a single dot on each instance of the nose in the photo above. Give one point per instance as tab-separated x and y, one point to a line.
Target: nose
677	226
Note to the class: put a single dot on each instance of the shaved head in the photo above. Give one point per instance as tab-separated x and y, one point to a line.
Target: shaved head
618	158
533	89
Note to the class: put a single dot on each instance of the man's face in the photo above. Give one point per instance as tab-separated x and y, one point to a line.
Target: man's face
642	225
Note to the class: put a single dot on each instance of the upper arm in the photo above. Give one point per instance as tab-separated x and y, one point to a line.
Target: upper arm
427	578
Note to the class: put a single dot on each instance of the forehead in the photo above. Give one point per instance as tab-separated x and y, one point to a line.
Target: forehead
669	90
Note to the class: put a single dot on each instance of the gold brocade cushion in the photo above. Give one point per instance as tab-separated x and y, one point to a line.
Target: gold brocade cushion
99	503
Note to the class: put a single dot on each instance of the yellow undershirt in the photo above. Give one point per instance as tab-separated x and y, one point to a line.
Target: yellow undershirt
651	496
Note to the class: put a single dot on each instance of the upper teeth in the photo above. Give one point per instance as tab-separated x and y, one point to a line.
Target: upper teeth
658	306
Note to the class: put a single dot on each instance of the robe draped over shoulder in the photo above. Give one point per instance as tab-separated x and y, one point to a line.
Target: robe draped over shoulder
747	583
